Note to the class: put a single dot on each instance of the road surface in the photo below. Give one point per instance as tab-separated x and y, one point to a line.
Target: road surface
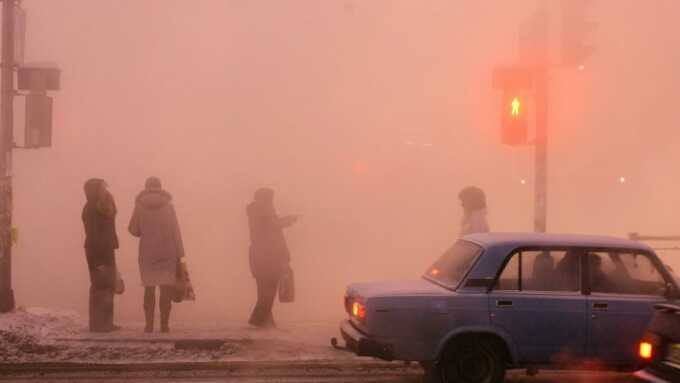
304	372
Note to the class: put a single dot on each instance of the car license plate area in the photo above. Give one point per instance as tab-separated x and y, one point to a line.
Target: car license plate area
673	356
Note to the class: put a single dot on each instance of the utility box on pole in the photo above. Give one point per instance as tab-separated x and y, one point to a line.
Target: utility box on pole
38	78
38	129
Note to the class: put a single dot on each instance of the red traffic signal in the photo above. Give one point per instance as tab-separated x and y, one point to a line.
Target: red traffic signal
514	124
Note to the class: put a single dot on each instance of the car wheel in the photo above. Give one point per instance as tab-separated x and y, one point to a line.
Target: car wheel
472	361
432	372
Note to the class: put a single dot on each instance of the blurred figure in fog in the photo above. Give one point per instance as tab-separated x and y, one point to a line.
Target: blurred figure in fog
269	255
154	221
473	201
99	219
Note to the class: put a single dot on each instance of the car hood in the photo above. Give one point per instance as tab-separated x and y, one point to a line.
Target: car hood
396	288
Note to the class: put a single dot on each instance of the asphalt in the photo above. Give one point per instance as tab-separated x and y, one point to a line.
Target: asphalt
259	371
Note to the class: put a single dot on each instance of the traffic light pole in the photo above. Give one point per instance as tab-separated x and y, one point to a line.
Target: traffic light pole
541	148
6	146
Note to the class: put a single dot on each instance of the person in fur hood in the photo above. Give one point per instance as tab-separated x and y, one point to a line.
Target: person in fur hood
101	241
154	222
473	201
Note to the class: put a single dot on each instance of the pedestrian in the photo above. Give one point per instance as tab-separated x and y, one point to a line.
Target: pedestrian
473	201
154	222
268	253
101	241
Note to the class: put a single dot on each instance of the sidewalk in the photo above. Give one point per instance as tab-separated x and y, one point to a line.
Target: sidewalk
50	336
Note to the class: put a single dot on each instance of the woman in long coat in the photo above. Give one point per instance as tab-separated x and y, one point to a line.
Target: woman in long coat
154	221
101	240
268	253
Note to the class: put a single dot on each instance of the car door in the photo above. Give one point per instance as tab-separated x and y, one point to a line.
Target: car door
537	300
624	287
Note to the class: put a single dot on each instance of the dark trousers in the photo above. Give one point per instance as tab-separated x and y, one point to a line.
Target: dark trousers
102	280
266	293
165	304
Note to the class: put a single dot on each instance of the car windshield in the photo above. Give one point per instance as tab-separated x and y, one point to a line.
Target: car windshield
451	267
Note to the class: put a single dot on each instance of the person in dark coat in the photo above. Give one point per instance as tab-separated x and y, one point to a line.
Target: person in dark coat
154	221
268	253
101	240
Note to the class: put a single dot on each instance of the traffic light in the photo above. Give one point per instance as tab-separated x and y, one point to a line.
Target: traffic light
575	30
514	119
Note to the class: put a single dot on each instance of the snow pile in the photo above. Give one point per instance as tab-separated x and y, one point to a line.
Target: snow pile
132	352
41	335
25	334
42	323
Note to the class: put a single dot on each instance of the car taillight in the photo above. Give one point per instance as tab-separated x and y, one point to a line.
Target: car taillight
358	310
646	350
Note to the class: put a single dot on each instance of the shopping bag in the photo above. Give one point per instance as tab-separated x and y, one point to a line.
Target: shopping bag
287	287
184	290
104	277
119	284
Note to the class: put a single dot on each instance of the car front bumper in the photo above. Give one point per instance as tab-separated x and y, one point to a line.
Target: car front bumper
649	376
363	345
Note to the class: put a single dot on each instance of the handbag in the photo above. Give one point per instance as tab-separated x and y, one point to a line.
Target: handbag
184	290
104	277
119	284
287	287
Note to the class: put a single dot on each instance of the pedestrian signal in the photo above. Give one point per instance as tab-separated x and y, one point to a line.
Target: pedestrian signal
513	120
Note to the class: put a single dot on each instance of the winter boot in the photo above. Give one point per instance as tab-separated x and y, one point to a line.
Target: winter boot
149	308
165	306
148	313
165	319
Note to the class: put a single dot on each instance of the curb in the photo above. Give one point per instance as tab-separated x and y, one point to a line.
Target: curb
222	368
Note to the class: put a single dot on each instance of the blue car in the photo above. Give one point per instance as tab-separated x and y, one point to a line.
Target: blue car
498	301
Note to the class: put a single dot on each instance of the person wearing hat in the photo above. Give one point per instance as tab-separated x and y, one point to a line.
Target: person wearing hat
154	222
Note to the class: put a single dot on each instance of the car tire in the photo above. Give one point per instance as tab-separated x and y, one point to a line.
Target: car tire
472	360
432	372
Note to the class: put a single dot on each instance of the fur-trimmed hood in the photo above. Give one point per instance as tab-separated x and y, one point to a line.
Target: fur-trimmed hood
153	199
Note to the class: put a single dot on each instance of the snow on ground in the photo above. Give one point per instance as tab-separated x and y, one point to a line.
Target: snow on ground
43	335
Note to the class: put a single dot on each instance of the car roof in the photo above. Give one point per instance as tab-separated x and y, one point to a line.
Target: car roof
489	240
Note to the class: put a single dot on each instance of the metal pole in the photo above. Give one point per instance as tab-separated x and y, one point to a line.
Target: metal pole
6	145
541	146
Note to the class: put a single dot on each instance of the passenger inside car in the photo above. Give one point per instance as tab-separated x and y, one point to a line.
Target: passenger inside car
568	271
543	276
598	279
624	273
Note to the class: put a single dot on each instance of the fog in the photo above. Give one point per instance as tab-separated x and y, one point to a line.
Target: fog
366	117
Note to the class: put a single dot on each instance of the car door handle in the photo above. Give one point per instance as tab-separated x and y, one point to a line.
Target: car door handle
503	303
600	306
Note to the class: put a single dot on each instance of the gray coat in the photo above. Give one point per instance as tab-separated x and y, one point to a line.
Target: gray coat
154	221
474	222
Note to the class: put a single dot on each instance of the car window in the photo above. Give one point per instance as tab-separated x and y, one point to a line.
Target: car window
451	267
624	273
509	278
542	270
